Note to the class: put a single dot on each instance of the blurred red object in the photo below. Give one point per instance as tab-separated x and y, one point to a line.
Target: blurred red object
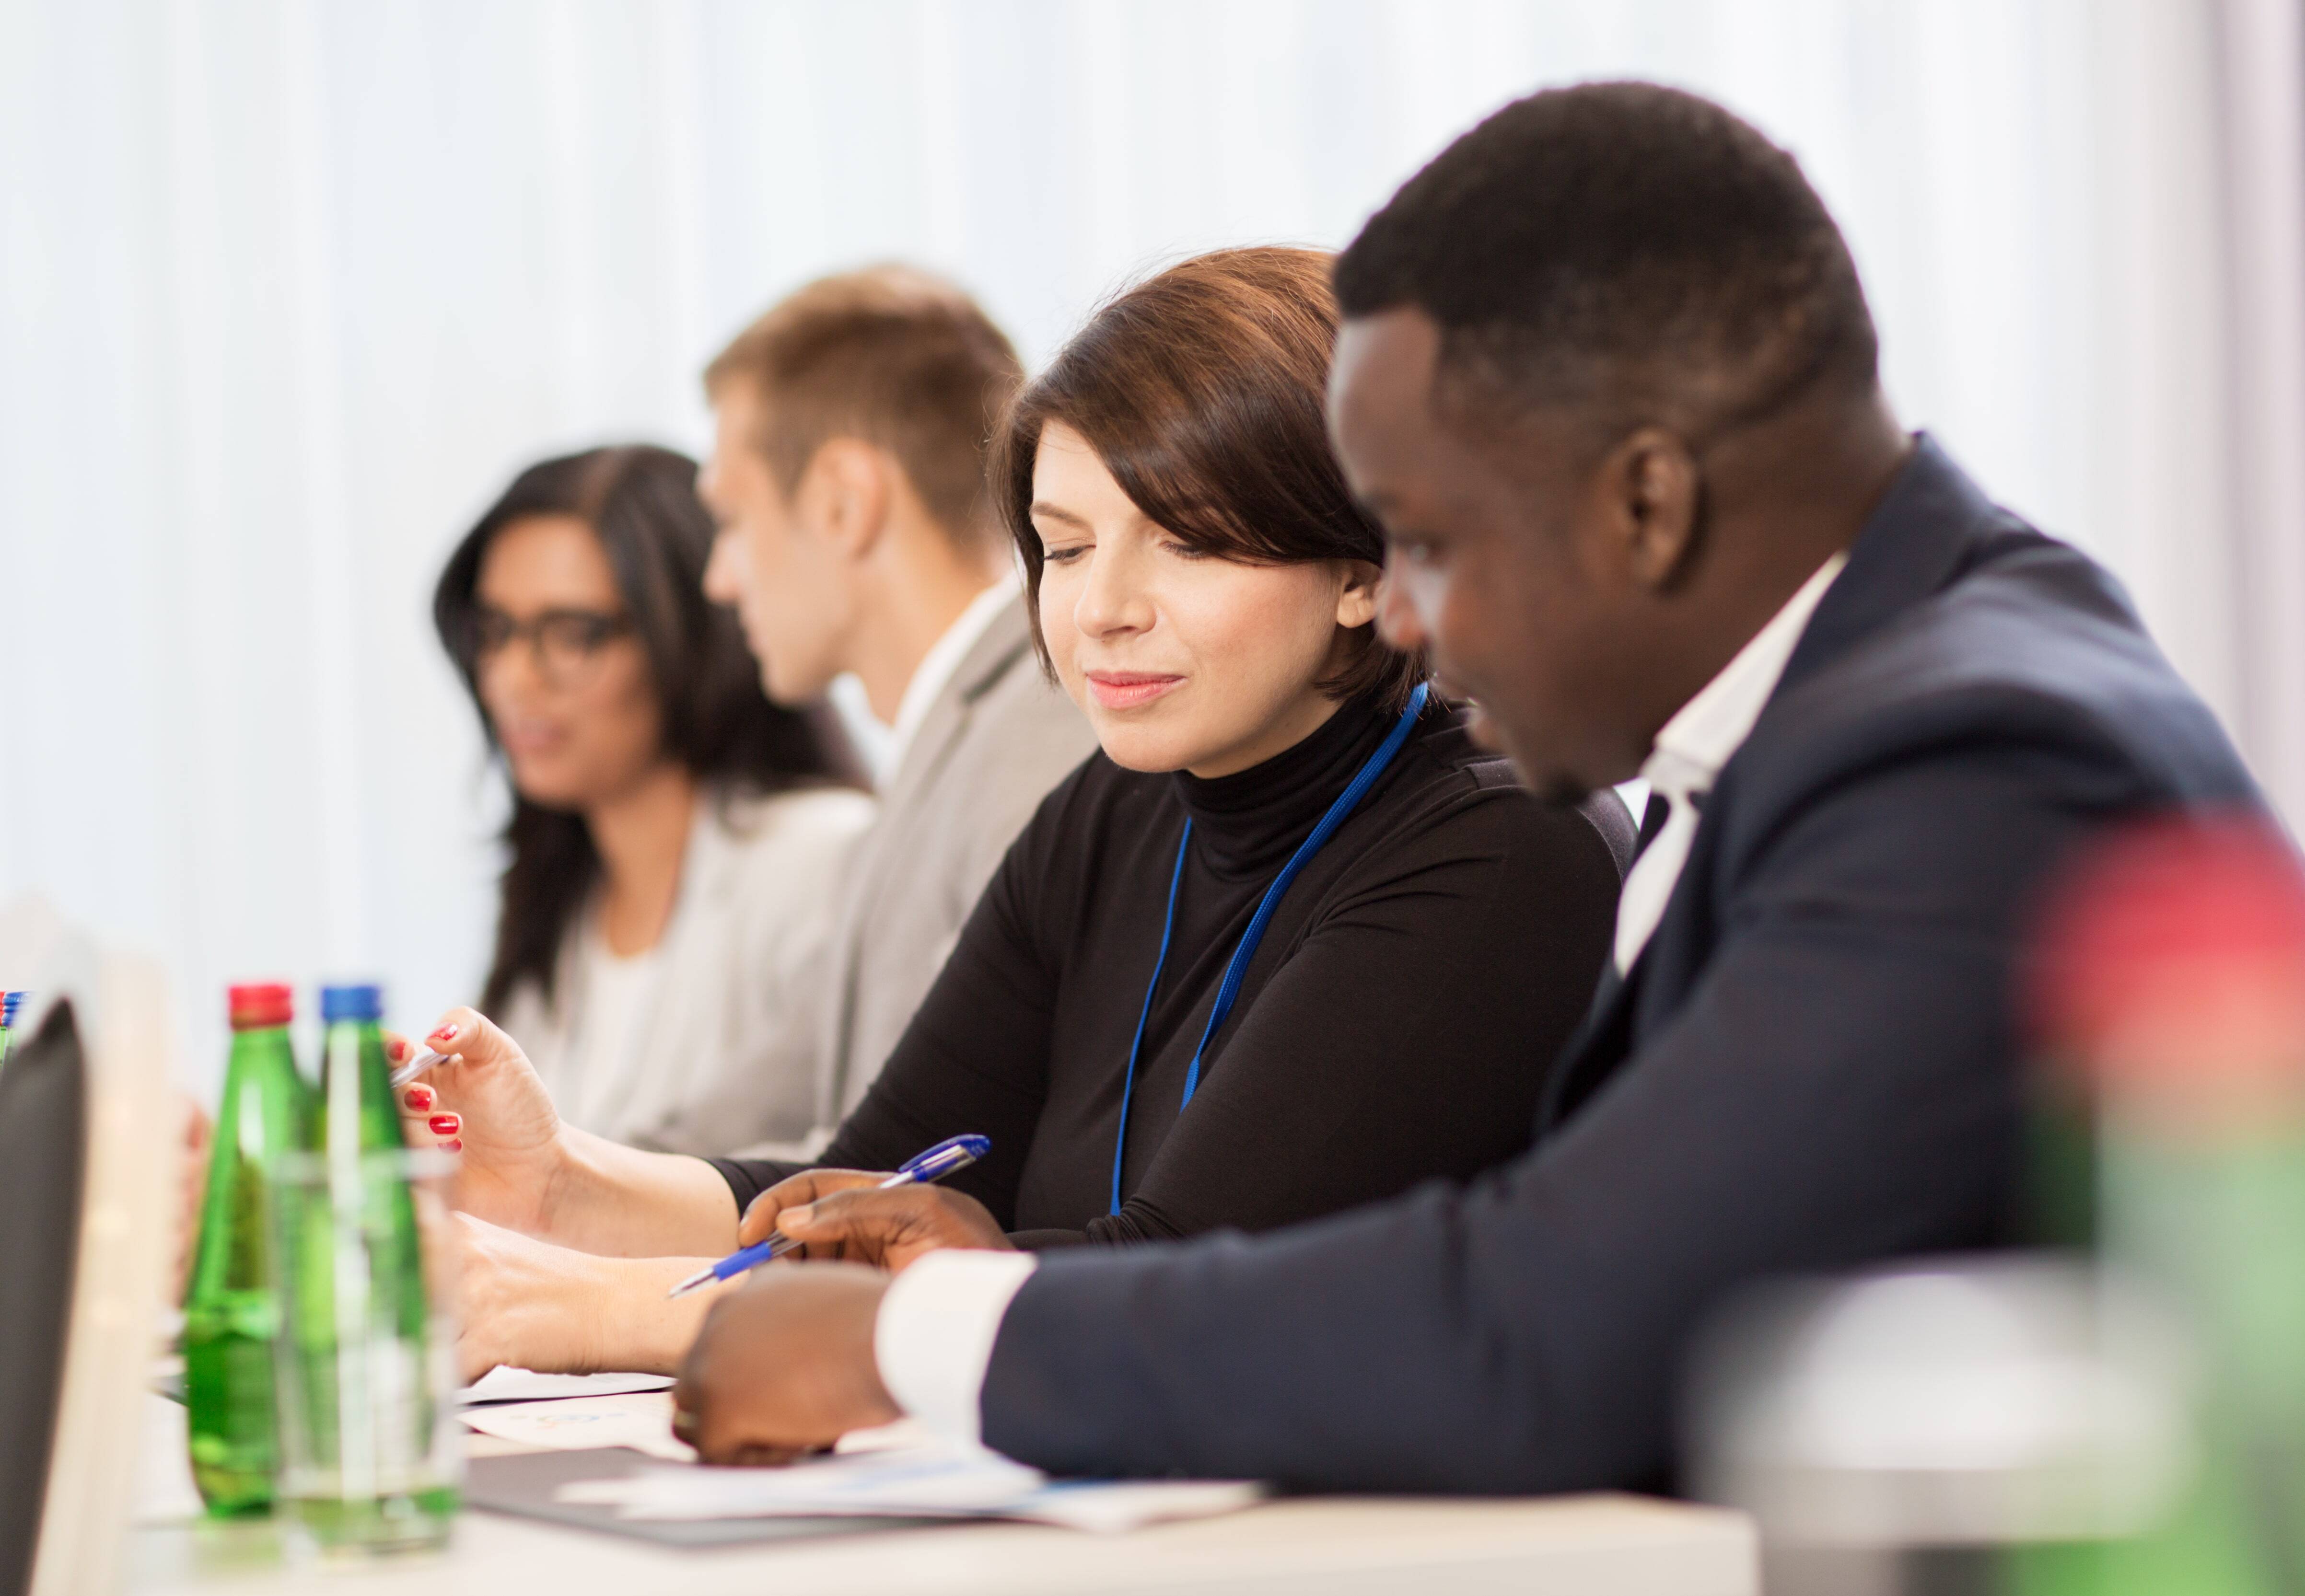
2170	973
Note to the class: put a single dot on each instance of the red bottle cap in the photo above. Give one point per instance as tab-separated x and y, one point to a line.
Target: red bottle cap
254	1007
2170	971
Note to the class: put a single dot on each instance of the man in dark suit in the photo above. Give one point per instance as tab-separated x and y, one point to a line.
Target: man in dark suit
1609	379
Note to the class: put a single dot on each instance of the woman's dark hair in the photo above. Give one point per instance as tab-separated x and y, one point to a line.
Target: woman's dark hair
1201	390
641	502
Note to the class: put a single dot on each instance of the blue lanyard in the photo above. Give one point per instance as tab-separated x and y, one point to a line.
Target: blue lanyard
1229	988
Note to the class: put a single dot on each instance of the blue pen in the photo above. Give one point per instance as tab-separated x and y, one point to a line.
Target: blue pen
946	1158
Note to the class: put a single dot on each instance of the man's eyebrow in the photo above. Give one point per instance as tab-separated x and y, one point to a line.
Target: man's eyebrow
1044	510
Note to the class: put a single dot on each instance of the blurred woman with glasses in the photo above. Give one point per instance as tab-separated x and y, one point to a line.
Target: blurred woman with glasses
676	838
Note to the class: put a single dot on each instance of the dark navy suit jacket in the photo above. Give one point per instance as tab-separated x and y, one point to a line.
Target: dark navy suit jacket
1813	1064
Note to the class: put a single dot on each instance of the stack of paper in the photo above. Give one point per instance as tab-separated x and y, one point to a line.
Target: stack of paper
504	1383
638	1420
937	1480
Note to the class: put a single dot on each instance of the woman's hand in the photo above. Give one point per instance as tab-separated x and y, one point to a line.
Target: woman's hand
486	1102
534	1305
855	1221
191	1187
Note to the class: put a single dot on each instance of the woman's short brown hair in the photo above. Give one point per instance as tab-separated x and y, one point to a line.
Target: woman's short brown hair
1200	389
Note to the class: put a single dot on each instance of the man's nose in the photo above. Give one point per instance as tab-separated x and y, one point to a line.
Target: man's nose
1397	620
721	584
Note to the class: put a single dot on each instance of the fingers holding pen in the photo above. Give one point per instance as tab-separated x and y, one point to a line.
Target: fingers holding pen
424	1122
882	1219
888	1229
763	1218
421	1127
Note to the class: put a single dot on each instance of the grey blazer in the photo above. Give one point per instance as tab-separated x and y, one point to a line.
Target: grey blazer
992	744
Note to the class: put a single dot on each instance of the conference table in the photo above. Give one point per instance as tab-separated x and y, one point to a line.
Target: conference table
1336	1546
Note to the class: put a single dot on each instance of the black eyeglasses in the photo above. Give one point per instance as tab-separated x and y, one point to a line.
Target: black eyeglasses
566	644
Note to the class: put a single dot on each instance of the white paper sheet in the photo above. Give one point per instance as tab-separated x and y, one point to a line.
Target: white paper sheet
641	1420
940	1481
507	1384
889	1437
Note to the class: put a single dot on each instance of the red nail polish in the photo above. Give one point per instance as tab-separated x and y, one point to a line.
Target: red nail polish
452	1146
396	1050
445	1125
419	1098
446	1033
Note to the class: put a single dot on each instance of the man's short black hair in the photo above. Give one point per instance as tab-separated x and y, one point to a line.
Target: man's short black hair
1628	252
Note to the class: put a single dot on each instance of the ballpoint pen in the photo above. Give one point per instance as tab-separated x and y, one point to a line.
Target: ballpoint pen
416	1066
946	1158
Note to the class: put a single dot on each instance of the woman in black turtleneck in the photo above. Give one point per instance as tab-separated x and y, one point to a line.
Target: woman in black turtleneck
1205	586
1393	1026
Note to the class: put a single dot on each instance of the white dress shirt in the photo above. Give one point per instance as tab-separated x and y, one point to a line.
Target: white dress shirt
933	1337
1694	744
592	1077
936	667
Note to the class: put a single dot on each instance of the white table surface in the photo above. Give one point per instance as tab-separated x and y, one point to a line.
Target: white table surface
1335	1546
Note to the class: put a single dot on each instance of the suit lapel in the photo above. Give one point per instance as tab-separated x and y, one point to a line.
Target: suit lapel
910	786
941	732
1914	543
1592	1054
988	660
1605	1037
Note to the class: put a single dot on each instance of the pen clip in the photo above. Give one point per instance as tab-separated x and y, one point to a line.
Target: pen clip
952	1153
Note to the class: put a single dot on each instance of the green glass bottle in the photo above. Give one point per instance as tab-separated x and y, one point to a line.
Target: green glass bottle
2174	972
10	1002
374	1469
232	1305
356	1114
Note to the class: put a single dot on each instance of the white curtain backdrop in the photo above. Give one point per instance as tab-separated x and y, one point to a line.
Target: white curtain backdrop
287	289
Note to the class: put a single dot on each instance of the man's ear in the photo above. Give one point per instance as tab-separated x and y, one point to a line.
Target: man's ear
1357	601
1652	498
845	495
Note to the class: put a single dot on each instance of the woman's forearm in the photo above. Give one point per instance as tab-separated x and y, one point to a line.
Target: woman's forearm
640	1327
533	1305
620	1202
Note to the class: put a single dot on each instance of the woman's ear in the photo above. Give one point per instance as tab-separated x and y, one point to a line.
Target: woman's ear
1356	600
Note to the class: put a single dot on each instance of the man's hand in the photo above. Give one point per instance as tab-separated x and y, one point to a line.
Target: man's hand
795	1194
785	1366
860	1224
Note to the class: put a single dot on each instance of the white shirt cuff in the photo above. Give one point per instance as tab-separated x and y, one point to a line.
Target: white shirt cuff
933	1337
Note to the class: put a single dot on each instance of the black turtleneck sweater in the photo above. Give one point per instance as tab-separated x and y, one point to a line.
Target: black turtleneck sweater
1396	1023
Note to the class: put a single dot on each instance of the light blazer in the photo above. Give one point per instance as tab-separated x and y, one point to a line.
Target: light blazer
725	1043
1813	1065
991	746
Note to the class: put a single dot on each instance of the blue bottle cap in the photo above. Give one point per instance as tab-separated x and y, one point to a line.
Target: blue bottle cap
352	1003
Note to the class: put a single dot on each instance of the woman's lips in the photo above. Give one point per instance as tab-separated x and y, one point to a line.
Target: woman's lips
1129	690
521	741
